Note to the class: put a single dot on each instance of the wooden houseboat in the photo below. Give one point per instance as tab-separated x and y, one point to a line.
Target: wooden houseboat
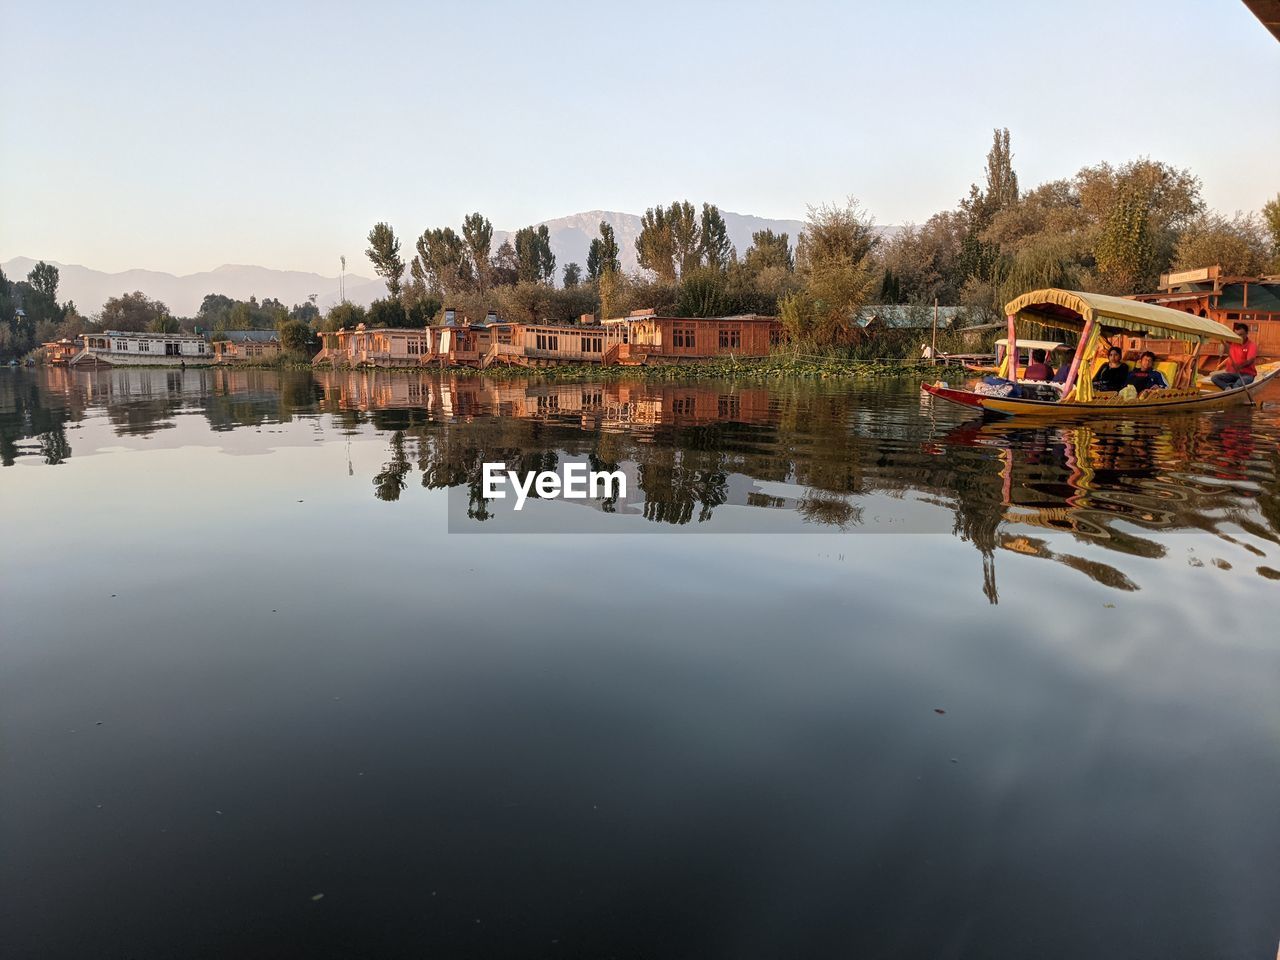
376	347
61	352
656	338
1227	300
129	348
237	345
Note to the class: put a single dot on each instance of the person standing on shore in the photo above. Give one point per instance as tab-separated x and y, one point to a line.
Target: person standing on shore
1240	364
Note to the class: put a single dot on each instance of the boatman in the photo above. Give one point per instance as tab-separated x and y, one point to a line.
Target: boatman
1240	366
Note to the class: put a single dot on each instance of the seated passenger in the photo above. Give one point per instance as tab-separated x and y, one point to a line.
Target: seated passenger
1112	377
1146	377
1038	369
1240	367
1064	371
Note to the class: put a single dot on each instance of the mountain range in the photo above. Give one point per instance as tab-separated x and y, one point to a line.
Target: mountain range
570	238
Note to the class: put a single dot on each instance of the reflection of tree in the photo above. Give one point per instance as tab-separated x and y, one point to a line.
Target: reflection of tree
829	509
388	484
1112	485
675	482
54	448
38	406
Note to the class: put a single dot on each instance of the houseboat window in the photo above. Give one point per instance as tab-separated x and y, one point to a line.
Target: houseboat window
199	348
144	346
683	337
730	338
593	344
775	336
122	345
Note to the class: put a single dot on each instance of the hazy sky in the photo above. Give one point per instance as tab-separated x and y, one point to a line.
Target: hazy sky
179	138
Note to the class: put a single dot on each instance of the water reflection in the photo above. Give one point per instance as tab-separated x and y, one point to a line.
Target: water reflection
825	455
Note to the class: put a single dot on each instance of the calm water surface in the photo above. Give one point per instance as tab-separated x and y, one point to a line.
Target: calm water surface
923	687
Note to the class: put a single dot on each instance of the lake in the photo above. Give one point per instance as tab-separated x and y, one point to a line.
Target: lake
277	679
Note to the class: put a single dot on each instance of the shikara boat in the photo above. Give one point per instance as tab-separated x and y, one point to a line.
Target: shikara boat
1099	319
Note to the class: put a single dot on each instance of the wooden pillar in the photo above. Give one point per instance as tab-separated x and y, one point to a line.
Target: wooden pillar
1011	351
933	353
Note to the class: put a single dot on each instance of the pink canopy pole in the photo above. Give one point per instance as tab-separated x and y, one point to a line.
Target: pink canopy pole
1011	351
1070	382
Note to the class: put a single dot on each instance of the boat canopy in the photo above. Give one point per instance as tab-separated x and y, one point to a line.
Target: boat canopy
1073	309
1049	346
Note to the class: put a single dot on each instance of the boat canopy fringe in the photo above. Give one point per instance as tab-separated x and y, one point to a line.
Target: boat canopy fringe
1072	308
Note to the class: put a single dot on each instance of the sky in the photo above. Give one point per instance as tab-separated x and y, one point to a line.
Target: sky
181	137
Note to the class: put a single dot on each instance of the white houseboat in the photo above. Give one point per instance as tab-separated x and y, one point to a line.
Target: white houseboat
117	348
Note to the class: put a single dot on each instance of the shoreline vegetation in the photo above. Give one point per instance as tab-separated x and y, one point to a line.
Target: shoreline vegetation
1109	229
780	364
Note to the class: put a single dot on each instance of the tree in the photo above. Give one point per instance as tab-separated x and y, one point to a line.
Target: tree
715	238
979	257
342	315
477	231
769	250
572	275
164	323
131	312
443	263
1240	245
44	280
387	312
1171	198
505	268
307	312
1271	217
1124	249
602	256
839	274
655	246
295	336
214	311
384	254
686	236
535	263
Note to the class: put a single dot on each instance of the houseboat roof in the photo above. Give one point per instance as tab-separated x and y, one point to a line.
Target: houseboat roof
251	336
907	315
145	335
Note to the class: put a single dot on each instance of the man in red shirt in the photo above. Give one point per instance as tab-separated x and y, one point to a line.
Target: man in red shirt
1239	366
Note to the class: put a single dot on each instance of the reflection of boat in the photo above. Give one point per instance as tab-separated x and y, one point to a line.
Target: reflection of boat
1097	317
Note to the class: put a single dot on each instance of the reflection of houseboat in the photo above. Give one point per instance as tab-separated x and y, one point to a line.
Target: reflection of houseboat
237	345
636	339
614	403
1227	300
117	348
